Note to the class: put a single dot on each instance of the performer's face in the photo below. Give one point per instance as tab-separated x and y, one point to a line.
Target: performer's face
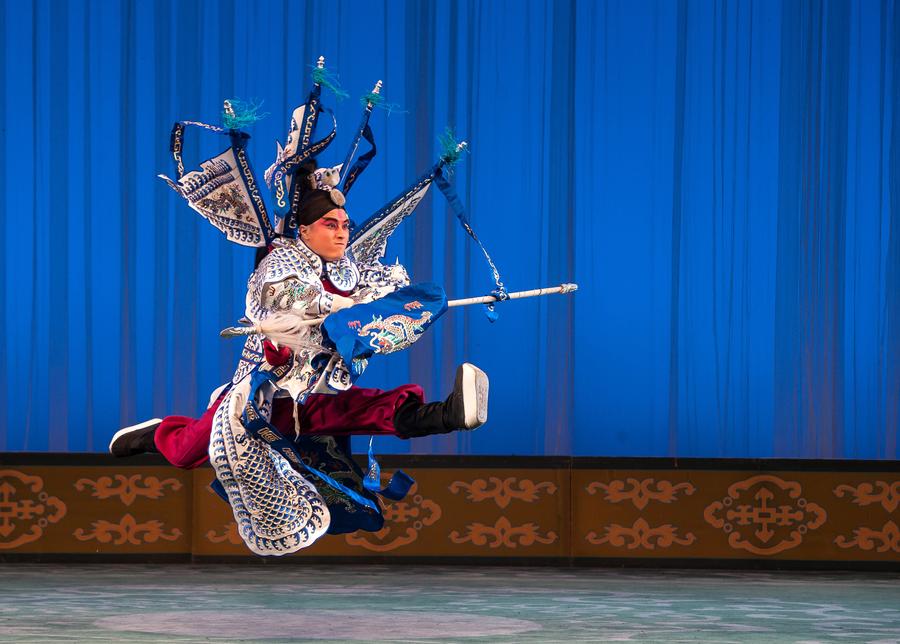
328	236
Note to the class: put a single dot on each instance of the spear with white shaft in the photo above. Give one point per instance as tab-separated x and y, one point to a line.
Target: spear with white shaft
283	328
562	289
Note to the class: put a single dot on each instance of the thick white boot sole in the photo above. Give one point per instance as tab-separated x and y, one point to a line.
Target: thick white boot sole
474	385
119	441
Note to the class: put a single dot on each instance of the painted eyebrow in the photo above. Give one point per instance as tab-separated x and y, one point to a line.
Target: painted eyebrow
335	220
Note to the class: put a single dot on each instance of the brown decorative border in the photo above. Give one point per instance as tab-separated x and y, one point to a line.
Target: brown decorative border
474	509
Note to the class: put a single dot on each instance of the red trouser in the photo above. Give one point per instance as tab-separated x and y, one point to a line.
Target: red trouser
184	441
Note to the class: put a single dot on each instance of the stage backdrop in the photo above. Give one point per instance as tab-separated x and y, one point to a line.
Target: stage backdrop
721	179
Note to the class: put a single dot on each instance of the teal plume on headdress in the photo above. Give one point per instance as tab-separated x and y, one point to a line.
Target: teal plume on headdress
377	101
238	114
326	78
451	149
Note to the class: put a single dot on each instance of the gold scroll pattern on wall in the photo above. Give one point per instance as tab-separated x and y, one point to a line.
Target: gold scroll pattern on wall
503	491
127	530
26	509
884	538
765	515
503	533
640	535
885	494
128	488
641	491
403	522
227	534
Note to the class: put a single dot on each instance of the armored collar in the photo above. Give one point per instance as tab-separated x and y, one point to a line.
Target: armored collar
343	273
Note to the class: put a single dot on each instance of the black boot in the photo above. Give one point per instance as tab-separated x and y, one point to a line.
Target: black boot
137	439
465	407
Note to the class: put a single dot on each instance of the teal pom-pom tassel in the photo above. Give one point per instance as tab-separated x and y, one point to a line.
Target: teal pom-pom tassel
377	100
239	114
451	149
326	78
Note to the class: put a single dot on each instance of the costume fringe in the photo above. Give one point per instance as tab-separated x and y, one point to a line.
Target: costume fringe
286	330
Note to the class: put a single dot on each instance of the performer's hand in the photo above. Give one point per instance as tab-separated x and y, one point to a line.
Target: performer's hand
341	302
275	357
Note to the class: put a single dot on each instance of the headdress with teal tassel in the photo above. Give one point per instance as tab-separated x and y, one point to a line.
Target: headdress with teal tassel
238	114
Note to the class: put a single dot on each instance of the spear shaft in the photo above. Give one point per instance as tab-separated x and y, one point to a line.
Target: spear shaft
562	289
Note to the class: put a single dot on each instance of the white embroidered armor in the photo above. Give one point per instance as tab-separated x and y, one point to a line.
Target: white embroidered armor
278	511
289	279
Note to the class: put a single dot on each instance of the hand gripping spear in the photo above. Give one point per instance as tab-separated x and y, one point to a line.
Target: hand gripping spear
281	328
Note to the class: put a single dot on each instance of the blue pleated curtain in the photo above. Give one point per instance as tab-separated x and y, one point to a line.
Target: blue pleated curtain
721	178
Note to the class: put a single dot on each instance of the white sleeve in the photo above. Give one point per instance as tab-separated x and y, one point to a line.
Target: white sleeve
305	298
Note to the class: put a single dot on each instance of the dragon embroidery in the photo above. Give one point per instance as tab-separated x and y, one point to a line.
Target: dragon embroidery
393	333
228	199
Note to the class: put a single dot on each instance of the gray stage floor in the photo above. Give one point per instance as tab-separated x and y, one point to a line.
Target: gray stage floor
315	603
